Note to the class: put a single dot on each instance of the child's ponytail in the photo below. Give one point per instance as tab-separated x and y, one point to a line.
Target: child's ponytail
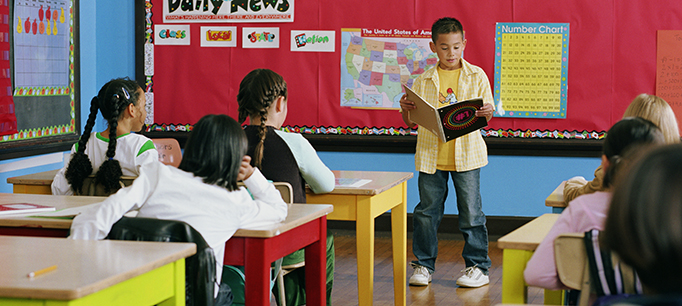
109	173
111	101
80	167
257	91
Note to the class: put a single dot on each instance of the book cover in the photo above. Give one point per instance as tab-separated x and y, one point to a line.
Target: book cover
448	122
22	208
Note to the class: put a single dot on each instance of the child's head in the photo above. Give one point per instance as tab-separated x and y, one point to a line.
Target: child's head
262	93
214	151
448	42
644	222
118	100
658	111
628	134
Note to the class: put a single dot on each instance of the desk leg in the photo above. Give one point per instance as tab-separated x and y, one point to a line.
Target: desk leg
316	268
179	285
257	278
364	228
514	289
399	240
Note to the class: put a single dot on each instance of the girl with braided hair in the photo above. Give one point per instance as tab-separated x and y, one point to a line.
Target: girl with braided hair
121	102
283	157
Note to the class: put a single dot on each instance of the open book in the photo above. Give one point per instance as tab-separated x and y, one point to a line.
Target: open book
450	121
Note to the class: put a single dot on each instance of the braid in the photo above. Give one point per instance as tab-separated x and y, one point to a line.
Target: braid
79	166
257	91
109	173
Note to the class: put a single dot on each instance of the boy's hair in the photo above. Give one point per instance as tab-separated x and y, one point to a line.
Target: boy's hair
643	223
214	151
112	100
446	25
257	91
658	111
627	134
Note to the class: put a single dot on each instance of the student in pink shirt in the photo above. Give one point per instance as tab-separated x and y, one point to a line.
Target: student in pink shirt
589	211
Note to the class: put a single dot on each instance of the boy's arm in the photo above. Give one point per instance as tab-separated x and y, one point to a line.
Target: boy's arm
405	107
484	91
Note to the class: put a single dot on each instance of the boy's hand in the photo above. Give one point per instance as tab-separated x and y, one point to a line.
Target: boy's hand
245	169
405	104
405	107
486	111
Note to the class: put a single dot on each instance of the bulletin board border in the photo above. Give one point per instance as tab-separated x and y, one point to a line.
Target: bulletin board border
35	142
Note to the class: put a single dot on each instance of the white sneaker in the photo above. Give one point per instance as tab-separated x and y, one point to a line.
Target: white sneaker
473	277
420	276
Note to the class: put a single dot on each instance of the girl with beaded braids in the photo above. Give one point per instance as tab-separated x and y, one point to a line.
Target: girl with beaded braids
121	102
283	157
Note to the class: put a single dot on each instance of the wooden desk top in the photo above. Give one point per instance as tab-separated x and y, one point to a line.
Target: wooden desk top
380	181
529	235
556	198
83	266
298	214
40	178
44	178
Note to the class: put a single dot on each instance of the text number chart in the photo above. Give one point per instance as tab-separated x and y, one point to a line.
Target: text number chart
531	69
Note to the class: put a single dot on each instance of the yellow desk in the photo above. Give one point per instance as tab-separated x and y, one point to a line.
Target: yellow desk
386	191
92	272
555	200
36	183
41	182
518	246
254	248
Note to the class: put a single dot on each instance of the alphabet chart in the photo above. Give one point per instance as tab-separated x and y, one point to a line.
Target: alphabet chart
531	68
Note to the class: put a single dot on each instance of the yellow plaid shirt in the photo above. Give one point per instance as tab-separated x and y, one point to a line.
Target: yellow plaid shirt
470	150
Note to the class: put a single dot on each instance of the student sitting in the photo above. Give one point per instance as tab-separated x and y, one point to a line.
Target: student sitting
589	211
121	102
202	191
645	106
644	224
283	157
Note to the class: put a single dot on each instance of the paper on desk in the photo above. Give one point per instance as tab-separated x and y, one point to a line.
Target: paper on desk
75	211
350	182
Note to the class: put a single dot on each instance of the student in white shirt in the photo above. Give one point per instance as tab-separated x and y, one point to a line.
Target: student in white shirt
202	191
121	102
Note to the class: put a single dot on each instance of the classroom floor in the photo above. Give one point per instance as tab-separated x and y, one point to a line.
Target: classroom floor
442	290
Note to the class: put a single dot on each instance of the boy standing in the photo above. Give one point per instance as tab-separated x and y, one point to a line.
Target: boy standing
460	159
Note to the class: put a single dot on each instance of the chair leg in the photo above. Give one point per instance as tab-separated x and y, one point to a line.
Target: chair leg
280	286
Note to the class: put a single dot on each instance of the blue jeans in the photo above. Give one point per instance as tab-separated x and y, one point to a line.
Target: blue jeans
433	190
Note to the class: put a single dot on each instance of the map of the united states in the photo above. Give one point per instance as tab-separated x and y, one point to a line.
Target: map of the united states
373	68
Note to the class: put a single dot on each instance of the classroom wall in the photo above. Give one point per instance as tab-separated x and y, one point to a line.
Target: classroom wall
510	185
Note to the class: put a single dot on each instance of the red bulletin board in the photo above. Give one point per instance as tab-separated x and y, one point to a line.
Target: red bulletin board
612	59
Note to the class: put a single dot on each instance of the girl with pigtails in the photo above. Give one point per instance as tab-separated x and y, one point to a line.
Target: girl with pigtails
283	157
115	152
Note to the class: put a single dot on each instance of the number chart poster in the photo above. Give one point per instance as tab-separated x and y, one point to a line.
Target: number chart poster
531	69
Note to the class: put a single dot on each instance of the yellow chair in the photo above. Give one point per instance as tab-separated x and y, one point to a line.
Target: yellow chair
169	151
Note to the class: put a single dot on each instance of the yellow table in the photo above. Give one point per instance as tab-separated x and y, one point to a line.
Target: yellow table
518	246
254	248
386	191
36	183
91	272
41	182
555	200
